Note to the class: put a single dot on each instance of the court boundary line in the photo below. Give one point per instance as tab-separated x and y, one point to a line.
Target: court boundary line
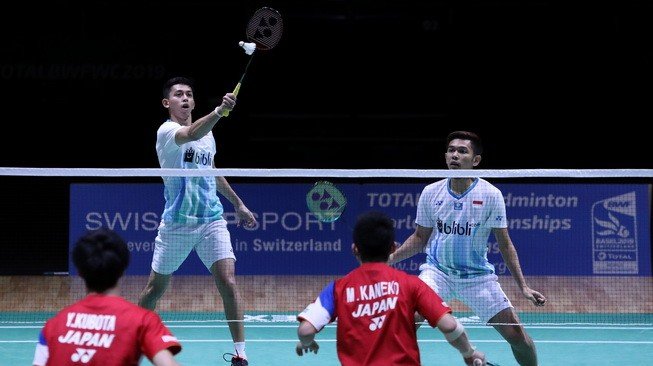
419	341
625	327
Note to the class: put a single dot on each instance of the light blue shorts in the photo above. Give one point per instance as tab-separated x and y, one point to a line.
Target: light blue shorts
483	294
174	243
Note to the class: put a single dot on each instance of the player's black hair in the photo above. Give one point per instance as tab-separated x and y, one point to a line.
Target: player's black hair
477	144
374	236
101	257
174	81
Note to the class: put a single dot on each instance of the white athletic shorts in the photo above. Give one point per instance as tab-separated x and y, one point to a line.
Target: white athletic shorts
174	243
483	294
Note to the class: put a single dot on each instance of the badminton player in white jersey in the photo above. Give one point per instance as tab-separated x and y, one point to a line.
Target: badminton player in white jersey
454	219
192	217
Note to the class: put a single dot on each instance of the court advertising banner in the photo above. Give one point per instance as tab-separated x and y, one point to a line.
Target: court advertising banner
558	229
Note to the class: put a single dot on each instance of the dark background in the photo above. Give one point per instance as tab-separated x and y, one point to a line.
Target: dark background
352	84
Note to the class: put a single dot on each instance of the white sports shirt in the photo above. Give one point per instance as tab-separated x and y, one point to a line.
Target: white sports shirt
461	226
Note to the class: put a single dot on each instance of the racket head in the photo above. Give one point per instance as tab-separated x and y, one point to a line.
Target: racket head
265	28
326	201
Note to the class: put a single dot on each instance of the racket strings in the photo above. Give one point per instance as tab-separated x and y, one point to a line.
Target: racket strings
265	28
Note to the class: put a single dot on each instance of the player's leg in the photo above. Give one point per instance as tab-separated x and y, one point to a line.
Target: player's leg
172	245
486	298
224	275
507	323
438	282
217	254
155	288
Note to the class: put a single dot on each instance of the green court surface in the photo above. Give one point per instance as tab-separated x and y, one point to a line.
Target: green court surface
273	344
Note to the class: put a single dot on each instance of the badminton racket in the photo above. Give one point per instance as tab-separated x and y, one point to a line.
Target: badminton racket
264	31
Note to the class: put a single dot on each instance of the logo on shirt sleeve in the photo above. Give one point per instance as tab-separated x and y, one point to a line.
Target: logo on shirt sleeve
168	338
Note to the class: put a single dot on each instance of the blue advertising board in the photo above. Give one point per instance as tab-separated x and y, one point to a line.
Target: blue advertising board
558	229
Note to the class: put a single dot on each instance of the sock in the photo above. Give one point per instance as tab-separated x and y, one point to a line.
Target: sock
240	349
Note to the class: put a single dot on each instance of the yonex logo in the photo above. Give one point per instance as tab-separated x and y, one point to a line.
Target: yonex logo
265	27
377	323
83	355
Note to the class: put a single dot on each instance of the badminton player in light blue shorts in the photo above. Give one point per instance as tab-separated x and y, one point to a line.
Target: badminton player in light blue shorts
454	220
193	215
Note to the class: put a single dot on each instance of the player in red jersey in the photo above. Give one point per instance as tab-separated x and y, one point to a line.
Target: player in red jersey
103	328
375	306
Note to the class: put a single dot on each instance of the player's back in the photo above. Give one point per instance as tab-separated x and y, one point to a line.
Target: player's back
375	306
104	330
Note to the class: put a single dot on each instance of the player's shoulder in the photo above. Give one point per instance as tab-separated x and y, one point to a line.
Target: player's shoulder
167	126
399	274
436	186
81	306
487	187
406	279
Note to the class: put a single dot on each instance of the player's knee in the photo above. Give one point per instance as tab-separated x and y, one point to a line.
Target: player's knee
226	283
230	283
156	287
517	337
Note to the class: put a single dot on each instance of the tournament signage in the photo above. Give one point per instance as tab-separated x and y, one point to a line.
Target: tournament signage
558	229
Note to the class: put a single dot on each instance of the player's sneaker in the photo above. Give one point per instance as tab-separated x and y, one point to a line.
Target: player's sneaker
235	360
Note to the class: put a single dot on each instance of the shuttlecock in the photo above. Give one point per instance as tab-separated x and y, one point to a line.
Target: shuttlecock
248	47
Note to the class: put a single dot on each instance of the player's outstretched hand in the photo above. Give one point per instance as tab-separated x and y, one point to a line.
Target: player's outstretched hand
301	349
245	216
228	103
477	359
535	297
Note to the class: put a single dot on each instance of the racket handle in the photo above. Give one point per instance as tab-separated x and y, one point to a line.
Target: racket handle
235	92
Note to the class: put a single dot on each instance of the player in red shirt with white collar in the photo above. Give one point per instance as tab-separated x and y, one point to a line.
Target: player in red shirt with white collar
103	328
375	306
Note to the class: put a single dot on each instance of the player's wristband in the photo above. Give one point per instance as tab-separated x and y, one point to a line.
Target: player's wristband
469	353
454	334
216	111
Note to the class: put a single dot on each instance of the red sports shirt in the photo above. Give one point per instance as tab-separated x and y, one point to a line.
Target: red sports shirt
375	306
103	330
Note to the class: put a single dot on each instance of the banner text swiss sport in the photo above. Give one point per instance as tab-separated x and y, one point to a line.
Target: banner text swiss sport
558	229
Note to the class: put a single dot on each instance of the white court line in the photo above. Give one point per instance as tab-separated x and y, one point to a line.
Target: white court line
419	341
333	326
